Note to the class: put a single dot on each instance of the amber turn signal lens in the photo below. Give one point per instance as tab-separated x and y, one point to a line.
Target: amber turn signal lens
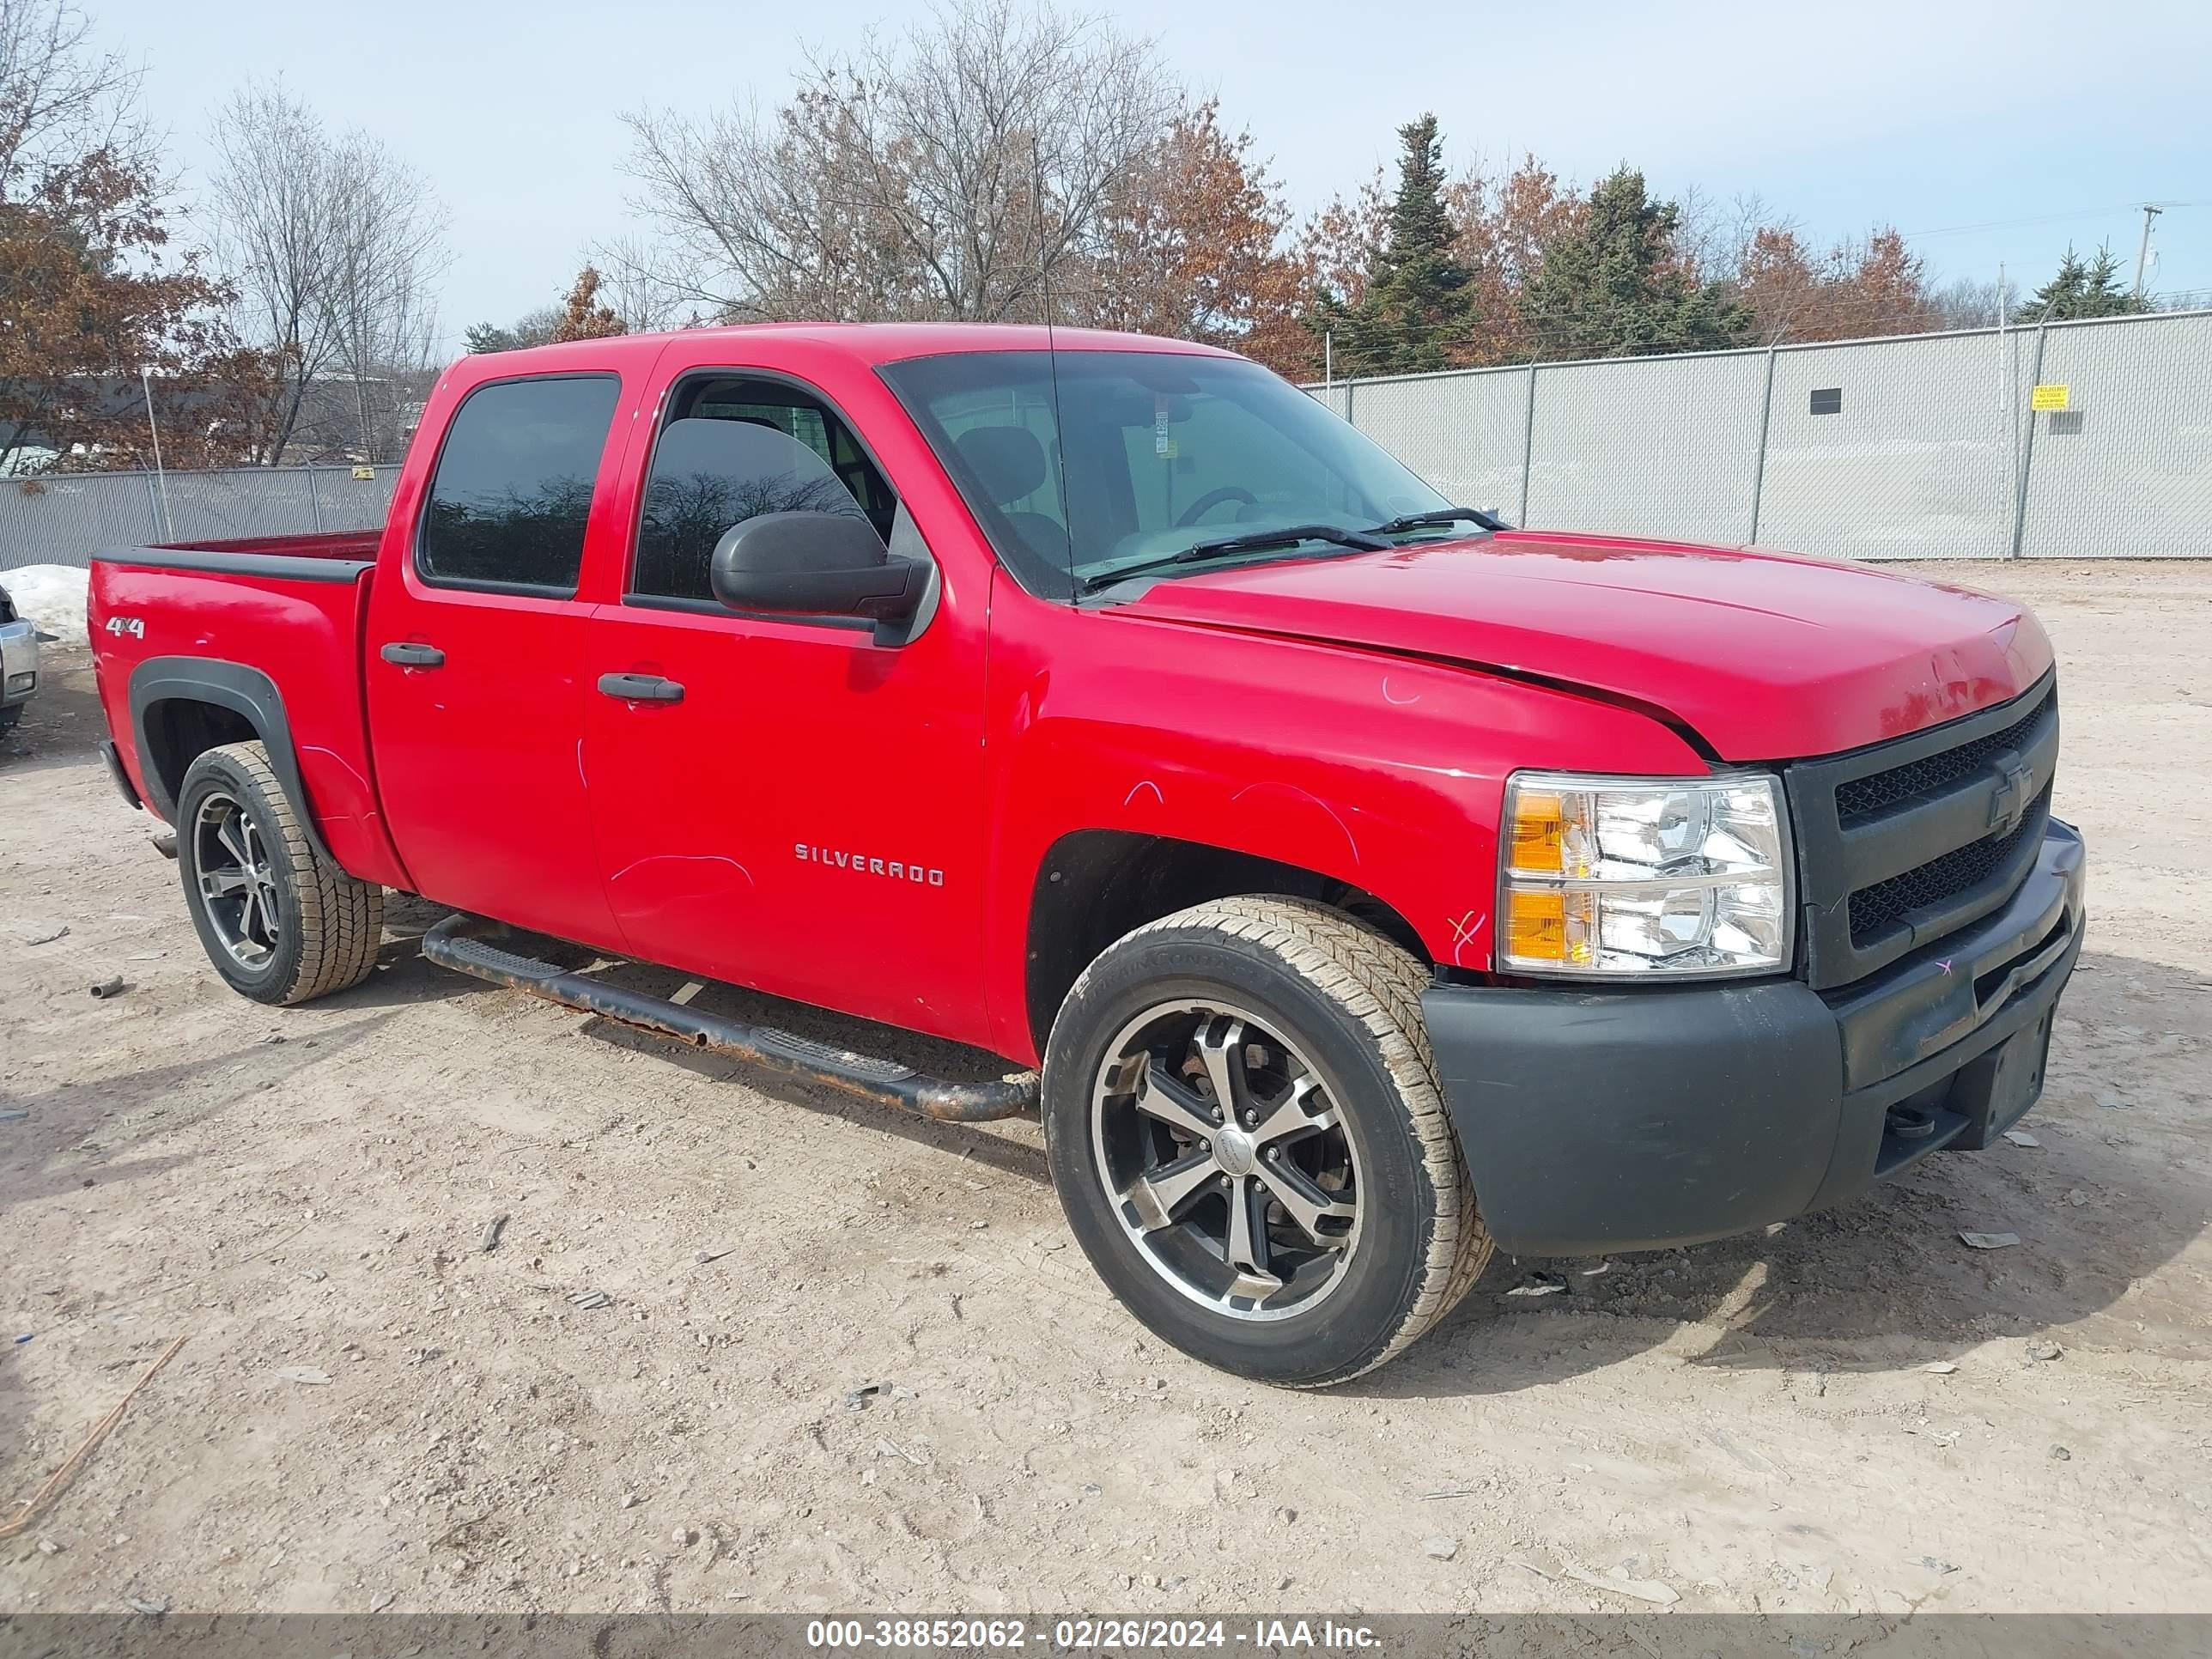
1538	926
1539	834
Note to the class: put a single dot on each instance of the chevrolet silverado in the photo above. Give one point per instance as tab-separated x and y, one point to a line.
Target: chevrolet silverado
1355	883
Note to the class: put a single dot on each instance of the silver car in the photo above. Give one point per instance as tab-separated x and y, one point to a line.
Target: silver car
19	662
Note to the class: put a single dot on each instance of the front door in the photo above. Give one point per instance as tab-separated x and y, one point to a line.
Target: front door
787	805
476	650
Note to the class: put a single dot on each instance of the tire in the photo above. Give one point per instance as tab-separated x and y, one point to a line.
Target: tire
303	930
1301	1005
8	717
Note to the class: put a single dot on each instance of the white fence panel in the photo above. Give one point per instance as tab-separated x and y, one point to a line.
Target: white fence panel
65	518
207	506
1664	447
1463	432
1922	446
1893	449
2125	471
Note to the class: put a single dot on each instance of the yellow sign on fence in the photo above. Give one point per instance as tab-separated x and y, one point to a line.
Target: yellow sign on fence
2048	399
367	474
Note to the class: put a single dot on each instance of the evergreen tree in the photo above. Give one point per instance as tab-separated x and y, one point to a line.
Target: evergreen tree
539	328
2082	287
1615	285
1415	312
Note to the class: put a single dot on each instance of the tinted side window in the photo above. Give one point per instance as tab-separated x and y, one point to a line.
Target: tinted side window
513	484
710	472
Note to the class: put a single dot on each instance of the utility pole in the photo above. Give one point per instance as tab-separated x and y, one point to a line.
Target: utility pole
2151	210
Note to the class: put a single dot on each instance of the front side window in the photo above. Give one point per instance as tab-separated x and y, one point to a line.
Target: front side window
513	490
734	448
1122	457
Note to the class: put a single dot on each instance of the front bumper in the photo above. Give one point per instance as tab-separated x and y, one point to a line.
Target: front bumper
1604	1120
19	661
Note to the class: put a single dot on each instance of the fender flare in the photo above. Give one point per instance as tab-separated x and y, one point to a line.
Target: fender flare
243	690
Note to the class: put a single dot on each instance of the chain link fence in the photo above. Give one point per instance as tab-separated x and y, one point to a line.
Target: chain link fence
65	518
1919	446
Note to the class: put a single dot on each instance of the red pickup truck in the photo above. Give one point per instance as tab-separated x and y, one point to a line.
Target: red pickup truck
1365	882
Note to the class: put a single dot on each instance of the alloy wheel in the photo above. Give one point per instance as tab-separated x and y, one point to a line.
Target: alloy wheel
1225	1160
237	879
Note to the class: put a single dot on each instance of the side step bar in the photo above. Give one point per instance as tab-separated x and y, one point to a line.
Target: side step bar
459	943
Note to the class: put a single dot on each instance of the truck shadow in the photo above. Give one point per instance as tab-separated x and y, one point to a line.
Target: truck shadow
2117	1187
2116	1190
88	1135
405	977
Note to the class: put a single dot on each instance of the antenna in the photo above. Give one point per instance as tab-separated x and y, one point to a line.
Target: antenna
1052	359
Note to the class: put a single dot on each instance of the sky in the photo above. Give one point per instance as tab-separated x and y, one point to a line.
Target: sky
1993	135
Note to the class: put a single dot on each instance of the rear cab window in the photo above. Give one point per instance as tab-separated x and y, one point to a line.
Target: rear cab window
511	492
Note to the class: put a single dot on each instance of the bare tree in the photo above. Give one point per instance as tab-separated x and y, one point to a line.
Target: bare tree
333	244
93	292
390	248
274	234
949	171
1971	302
642	296
61	99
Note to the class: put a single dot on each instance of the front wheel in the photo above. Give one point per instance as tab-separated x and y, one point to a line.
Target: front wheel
281	922
1244	1126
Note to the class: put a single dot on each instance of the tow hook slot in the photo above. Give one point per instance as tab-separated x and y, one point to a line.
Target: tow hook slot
1912	1123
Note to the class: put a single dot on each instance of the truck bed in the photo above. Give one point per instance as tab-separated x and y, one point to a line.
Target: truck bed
275	619
255	554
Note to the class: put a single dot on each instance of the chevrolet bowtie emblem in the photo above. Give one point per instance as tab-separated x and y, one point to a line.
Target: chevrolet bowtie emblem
2008	800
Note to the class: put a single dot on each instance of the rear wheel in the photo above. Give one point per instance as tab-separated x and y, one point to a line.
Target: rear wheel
281	922
1245	1129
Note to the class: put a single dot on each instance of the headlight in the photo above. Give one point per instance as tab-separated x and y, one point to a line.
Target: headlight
1639	877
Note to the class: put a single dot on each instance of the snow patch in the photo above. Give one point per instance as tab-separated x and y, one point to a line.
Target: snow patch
53	596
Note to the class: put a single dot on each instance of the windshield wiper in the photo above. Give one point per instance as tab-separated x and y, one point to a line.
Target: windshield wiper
1442	515
1367	541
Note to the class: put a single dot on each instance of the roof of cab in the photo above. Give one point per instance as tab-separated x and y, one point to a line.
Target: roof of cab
871	343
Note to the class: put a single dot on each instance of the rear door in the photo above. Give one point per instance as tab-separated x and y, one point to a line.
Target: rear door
476	651
796	807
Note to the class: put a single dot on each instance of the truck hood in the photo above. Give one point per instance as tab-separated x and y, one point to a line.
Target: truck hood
1763	656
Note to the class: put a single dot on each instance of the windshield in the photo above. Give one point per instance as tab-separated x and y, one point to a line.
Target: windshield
1152	452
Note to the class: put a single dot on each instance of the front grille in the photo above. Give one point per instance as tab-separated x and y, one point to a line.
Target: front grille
1962	869
1904	842
1863	797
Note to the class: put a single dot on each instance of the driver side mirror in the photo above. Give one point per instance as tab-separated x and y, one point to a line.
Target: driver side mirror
814	564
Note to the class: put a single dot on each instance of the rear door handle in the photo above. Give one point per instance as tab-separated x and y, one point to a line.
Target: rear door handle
641	687
408	654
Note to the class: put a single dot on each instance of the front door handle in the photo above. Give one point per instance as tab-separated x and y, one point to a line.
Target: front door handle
408	654
641	687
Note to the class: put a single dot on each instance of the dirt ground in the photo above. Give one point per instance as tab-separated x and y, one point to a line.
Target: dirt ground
1843	1414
